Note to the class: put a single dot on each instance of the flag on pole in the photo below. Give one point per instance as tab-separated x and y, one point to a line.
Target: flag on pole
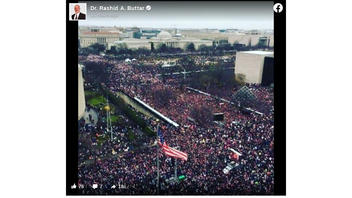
236	155
169	151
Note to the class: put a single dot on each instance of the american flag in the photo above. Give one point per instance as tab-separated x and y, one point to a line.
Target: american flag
235	156
171	152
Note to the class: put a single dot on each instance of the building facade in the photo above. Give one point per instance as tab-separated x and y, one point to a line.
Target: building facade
255	66
91	37
262	40
163	37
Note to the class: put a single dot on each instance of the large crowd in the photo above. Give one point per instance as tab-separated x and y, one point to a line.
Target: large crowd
133	169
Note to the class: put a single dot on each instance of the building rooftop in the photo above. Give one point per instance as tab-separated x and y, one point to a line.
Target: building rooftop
268	53
101	33
164	35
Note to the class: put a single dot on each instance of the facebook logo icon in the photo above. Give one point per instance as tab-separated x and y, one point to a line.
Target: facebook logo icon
278	7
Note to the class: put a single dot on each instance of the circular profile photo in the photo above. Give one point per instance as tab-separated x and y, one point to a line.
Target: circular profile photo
78	11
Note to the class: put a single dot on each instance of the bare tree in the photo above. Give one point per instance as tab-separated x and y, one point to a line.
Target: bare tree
163	96
202	114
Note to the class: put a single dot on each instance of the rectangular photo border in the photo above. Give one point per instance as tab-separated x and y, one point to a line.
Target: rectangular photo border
279	101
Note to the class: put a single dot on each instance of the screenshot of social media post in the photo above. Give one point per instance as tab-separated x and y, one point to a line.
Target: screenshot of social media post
176	98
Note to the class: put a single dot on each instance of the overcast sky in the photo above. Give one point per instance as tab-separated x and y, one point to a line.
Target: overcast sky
221	15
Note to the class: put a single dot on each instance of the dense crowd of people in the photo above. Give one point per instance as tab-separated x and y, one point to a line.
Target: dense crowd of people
133	169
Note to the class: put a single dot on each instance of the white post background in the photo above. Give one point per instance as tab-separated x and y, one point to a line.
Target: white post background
33	96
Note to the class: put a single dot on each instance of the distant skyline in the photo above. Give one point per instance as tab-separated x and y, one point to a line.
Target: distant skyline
195	15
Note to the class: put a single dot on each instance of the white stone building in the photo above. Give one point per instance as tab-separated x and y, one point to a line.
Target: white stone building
256	66
106	38
163	37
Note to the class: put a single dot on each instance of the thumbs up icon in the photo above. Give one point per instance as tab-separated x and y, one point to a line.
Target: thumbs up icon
73	186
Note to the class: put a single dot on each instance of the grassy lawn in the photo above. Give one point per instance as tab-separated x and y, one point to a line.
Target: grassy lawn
114	119
97	101
89	94
94	99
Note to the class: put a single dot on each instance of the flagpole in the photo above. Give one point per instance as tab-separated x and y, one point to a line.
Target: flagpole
157	164
108	119
176	165
175	169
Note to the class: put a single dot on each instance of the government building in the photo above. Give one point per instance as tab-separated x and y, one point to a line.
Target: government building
163	37
93	36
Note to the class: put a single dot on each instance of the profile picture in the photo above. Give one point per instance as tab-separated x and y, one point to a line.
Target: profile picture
78	11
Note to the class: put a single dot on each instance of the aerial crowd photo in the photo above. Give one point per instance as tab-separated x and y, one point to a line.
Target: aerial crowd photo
168	106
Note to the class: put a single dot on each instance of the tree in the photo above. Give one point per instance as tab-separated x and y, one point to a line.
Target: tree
137	35
96	72
203	48
240	79
203	115
162	48
227	46
84	51
186	62
175	50
152	47
237	45
163	96
206	81
96	48
112	50
142	51
190	47
210	81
